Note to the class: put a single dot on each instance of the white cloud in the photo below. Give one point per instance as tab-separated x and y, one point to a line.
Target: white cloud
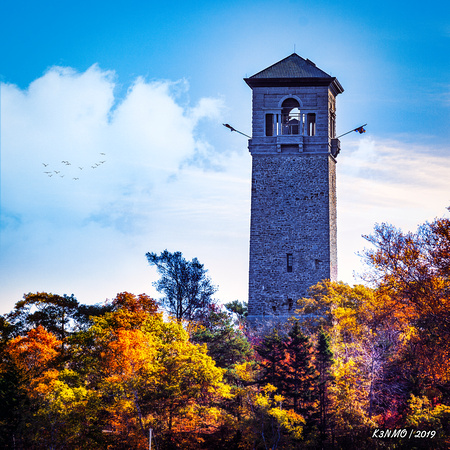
61	234
163	185
67	116
386	181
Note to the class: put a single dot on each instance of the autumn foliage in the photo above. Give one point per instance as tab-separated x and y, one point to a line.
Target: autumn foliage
355	359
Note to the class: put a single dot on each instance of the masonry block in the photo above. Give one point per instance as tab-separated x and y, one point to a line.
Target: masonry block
293	201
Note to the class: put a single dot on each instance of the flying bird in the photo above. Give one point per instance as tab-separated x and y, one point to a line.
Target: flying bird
45	164
80	168
102	153
76	178
56	171
101	162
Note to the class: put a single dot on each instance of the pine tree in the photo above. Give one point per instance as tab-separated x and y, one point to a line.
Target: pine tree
271	350
299	374
324	360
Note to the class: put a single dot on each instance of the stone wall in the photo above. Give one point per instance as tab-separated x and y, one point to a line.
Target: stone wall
292	213
293	207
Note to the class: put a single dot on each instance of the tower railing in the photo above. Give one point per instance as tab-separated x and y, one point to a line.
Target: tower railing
291	124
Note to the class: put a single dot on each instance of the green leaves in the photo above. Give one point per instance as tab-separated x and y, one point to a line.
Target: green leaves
358	357
187	289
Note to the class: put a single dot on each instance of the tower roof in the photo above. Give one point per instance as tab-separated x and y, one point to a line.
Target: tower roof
293	71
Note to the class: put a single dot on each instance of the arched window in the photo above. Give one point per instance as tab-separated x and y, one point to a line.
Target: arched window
290	116
290	103
290	120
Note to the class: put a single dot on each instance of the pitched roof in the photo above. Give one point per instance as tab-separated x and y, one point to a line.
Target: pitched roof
294	66
293	71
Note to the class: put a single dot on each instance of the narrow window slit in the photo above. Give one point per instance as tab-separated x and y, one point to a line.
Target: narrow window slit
289	262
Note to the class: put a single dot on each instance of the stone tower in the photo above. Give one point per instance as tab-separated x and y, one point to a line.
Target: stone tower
293	202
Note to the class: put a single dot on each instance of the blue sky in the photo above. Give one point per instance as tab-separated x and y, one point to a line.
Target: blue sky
149	85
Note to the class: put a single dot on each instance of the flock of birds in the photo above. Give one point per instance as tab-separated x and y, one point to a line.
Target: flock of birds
56	173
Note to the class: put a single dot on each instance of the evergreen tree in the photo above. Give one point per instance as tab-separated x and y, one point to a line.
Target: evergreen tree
324	360
272	353
299	380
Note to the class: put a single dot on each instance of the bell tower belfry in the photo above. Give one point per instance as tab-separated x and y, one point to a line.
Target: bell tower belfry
293	199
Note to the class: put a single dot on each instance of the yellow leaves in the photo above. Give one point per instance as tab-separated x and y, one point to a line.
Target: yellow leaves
164	332
422	414
64	398
156	374
410	332
349	395
272	405
262	401
289	420
346	320
337	303
244	371
201	417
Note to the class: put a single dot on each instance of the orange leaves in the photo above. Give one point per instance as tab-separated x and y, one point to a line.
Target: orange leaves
130	353
141	303
129	311
413	272
130	370
34	357
34	352
154	376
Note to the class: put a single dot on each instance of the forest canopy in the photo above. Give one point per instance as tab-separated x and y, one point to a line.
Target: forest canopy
353	362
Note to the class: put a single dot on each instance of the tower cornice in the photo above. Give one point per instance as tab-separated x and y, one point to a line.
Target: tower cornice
296	82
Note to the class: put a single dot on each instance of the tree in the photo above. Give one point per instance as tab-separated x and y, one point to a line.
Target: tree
363	335
53	312
350	405
59	314
227	344
278	427
412	271
324	361
148	374
272	352
34	362
422	415
187	289
298	373
240	310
